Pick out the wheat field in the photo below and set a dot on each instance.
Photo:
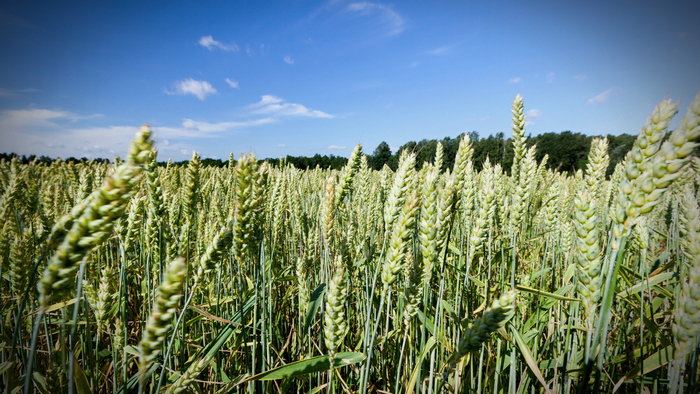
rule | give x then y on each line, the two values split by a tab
134	277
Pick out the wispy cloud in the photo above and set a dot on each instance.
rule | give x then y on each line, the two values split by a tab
11	93
288	60
210	43
533	113
275	106
394	21
413	64
201	89
281	145
37	118
443	50
550	77
336	147
603	97
580	77
198	129
233	84
514	80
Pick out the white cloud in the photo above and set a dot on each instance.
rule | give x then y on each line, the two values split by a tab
439	51
233	84
58	133
550	77
393	149
336	147
533	113
190	86
485	118
275	106
414	64
34	117
288	60
514	80
38	131
247	50
281	145
210	43
393	20
603	97
580	77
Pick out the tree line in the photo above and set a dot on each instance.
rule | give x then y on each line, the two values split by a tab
567	151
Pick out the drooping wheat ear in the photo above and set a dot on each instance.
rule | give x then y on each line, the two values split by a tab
328	213
589	280
636	193
483	327
399	239
210	259
159	323
518	137
427	227
675	153
95	223
399	190
539	184
183	381
334	316
348	174
612	189
246	207
487	209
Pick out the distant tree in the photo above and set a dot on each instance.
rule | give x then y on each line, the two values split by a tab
381	156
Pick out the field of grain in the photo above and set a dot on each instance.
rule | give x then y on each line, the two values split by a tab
134	277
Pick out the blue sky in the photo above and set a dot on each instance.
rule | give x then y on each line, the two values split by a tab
302	77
